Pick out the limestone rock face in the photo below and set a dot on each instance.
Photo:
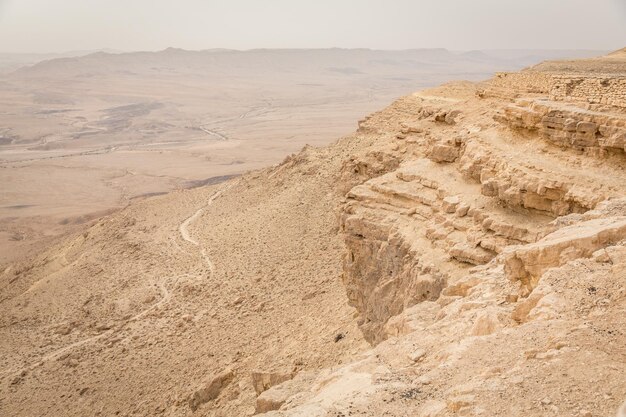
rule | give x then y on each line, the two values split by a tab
490	254
527	263
479	231
569	126
460	194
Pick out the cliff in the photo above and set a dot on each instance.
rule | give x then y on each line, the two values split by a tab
474	235
485	230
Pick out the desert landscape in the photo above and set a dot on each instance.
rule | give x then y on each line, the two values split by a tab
461	253
84	134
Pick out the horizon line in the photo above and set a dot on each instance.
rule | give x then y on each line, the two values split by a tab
114	51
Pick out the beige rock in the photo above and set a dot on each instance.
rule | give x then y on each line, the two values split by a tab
452	116
270	400
523	308
486	323
472	255
262	381
417	355
462	210
444	153
210	388
527	263
64	329
450	204
432	408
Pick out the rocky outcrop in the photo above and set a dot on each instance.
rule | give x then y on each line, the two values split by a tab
485	259
457	195
488	255
527	263
569	125
485	240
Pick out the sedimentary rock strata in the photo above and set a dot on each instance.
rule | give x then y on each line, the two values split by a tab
490	253
475	234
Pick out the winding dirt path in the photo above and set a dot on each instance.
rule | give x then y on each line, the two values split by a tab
184	227
166	294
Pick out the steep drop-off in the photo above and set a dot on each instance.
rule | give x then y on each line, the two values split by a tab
473	234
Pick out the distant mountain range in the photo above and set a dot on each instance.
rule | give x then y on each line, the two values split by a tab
11	61
348	62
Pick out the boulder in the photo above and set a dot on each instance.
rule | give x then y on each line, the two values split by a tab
450	204
444	153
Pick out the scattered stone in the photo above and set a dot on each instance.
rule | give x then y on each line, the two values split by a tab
601	256
462	210
511	298
18	378
450	204
424	380
269	401
451	117
440	117
517	380
104	327
64	329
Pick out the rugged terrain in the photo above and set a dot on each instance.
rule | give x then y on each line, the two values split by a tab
81	136
462	253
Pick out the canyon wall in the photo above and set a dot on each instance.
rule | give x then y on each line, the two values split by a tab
485	231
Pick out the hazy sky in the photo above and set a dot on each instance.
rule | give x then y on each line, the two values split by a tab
63	25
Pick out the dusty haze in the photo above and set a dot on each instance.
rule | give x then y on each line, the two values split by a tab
461	253
344	208
45	26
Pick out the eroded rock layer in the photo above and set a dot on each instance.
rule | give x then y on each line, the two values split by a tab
485	230
478	231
